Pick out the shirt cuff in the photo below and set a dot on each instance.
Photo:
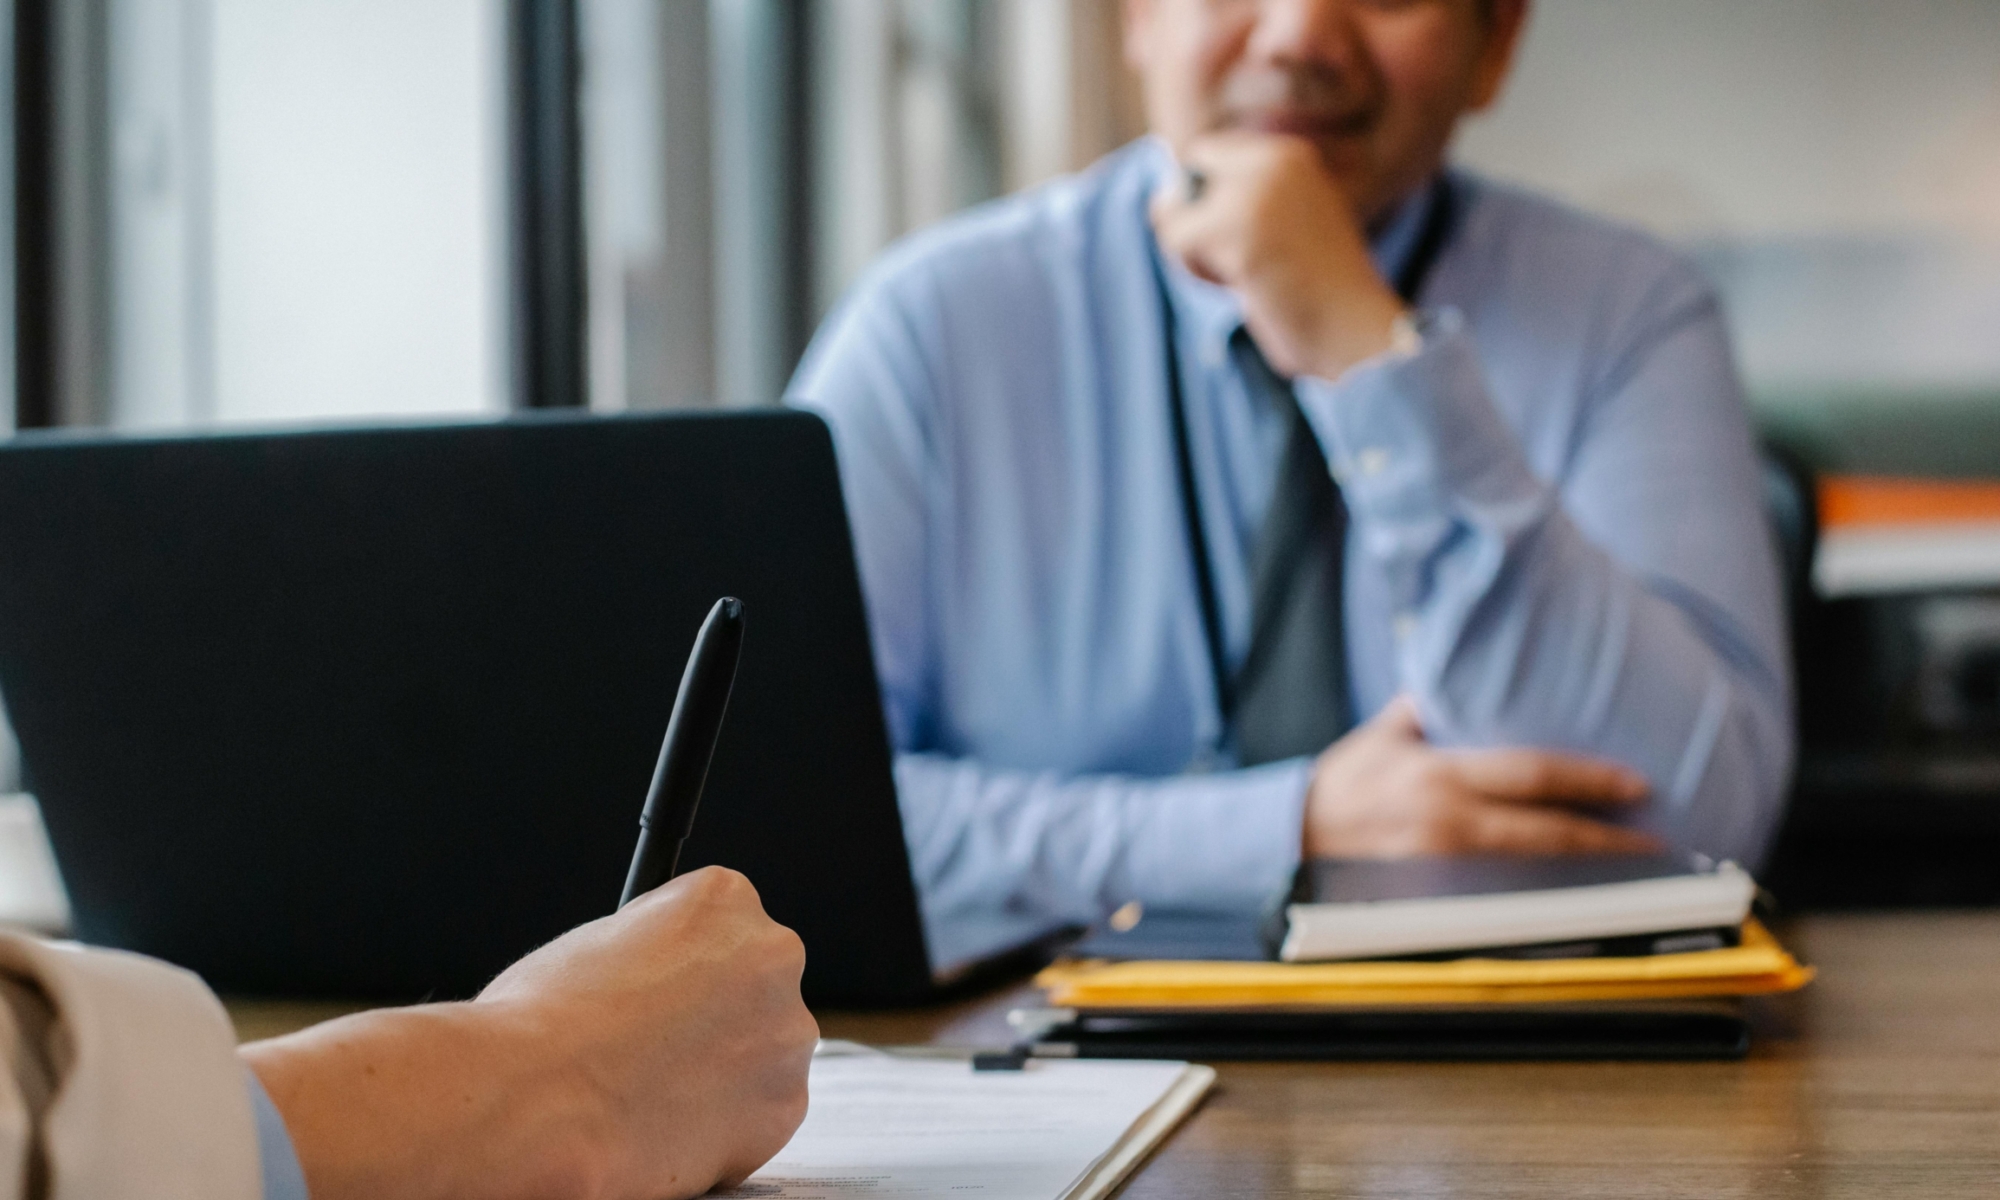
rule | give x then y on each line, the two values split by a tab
284	1179
1226	842
1414	438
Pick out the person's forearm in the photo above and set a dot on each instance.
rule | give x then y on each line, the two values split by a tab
432	1101
1616	671
1073	848
1520	630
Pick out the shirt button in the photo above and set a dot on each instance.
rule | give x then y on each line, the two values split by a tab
1371	461
1214	351
1405	624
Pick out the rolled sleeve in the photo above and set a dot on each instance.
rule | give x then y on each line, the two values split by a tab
1513	626
1414	438
149	1097
1424	459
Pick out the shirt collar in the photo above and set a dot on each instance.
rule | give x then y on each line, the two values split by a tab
1213	312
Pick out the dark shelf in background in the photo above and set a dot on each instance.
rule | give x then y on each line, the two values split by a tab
1890	829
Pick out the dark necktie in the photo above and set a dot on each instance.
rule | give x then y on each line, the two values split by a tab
1290	697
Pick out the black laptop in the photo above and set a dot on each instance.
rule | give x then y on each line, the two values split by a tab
371	712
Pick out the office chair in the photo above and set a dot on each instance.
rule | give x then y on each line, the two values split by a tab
1791	504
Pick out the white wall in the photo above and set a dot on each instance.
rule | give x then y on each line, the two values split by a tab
1760	118
359	238
1836	161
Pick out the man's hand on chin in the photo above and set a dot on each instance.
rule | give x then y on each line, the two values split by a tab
1268	221
1383	792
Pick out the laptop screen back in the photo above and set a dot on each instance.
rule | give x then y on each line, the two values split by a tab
373	712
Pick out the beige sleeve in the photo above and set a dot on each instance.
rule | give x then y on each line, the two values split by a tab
121	1081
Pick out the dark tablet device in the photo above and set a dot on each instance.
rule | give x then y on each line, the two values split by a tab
371	712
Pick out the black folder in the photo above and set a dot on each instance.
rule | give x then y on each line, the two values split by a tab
1648	1030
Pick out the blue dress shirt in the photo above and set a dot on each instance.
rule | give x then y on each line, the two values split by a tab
1556	540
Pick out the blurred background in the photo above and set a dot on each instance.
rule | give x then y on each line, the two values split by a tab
250	210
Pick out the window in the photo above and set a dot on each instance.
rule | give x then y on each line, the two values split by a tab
276	209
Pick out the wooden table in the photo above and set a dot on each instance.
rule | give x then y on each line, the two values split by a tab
1881	1080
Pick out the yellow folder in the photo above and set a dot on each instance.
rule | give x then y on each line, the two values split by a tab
1758	966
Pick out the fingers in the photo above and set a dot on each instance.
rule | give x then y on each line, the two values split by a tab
1398	717
1205	231
1524	776
1187	232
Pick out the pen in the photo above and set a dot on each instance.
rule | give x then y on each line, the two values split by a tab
692	731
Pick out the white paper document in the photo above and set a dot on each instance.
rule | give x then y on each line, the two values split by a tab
880	1125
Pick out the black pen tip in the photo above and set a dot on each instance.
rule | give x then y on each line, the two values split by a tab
731	607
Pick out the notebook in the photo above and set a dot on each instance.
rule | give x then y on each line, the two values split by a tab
1537	907
884	1124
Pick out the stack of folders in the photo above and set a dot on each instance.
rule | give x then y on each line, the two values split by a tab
1438	958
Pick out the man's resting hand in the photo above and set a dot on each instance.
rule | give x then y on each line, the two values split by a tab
653	1053
1383	792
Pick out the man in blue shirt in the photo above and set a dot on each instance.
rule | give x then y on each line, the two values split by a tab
1075	427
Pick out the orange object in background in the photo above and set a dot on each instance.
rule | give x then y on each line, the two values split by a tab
1846	501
